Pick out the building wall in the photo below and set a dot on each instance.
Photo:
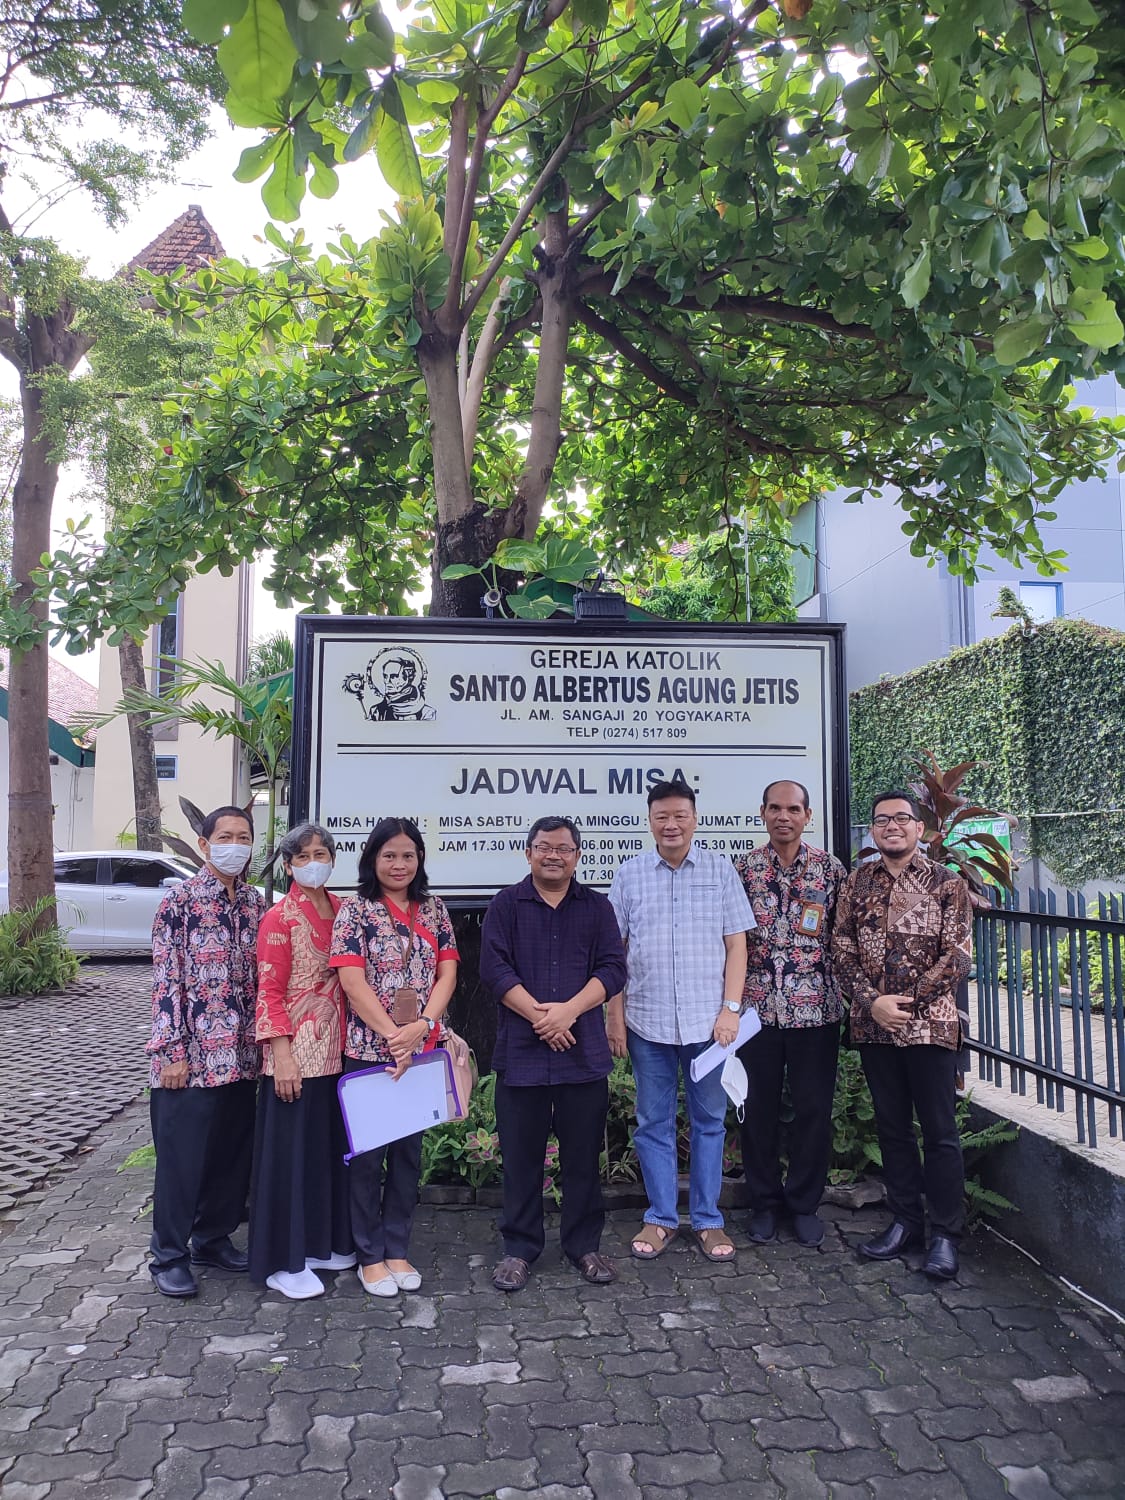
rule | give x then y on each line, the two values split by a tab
901	612
72	793
214	626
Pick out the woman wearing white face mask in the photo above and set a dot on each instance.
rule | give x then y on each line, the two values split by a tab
299	1221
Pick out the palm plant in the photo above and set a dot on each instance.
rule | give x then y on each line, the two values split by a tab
259	717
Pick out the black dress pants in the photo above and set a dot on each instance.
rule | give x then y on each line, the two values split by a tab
808	1054
525	1117
905	1081
383	1194
204	1141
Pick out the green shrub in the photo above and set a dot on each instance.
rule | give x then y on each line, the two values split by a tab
33	955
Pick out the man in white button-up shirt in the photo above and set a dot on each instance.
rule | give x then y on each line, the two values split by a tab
684	917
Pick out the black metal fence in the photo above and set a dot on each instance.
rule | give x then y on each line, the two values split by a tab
1050	1005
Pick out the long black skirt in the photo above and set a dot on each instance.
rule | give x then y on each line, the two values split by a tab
299	1186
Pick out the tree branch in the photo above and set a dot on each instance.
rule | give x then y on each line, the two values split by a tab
478	371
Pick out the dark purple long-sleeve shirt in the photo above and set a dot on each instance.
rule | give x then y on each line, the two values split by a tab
553	951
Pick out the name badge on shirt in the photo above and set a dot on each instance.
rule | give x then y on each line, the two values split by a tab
811	920
407	1005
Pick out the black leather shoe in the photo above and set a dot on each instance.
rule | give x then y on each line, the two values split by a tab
174	1281
763	1226
222	1256
942	1262
896	1240
809	1230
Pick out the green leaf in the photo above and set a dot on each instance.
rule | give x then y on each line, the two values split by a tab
519	556
1095	248
531	609
872	160
258	55
255	159
1035	226
916	282
251	114
323	182
207	20
1096	322
683	101
459	570
1019	339
394	147
284	189
568	561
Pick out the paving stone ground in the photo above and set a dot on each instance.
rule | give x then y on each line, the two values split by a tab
69	1063
797	1374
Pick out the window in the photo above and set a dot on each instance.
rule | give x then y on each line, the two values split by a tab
168	641
1044	600
144	872
76	870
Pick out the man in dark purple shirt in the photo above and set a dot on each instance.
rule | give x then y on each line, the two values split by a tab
551	954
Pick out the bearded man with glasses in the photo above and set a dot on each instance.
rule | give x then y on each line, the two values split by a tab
551	954
901	945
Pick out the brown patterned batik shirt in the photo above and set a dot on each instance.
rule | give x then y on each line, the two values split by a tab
906	935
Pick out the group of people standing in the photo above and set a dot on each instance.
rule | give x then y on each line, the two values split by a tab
659	970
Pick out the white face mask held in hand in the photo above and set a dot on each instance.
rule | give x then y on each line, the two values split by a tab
313	875
229	859
736	1085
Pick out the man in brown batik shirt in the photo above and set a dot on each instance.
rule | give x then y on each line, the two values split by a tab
901	945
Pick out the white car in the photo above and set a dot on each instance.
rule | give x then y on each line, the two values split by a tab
107	898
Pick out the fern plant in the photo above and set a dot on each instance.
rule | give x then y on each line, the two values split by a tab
33	952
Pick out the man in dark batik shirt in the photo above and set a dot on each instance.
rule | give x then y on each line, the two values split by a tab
551	954
792	888
203	1057
901	945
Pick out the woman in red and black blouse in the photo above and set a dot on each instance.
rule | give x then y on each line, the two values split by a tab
394	948
299	1194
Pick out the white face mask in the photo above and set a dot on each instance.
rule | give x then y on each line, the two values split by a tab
229	859
736	1084
313	875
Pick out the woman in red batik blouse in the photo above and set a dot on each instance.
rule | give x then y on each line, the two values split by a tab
394	948
299	1194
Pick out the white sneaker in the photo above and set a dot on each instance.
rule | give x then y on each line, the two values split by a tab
335	1262
296	1284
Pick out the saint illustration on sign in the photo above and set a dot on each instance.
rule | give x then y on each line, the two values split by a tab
394	686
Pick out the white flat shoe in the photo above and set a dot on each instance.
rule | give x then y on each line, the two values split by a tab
297	1285
407	1281
335	1262
386	1286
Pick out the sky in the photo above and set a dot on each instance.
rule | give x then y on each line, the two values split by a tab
237	215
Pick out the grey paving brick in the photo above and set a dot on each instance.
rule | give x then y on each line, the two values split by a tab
246	1463
610	1476
417	1483
483	1478
679	1471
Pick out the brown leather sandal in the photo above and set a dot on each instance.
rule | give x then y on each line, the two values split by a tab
711	1241
655	1238
510	1274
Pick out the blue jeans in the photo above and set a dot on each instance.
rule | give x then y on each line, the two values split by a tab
656	1068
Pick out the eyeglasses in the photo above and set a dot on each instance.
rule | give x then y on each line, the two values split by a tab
566	850
881	820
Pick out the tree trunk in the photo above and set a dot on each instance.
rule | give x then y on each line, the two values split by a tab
142	750
31	870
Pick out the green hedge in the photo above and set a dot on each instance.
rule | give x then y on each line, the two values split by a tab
1043	710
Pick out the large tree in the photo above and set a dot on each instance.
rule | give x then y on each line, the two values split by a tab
689	256
100	99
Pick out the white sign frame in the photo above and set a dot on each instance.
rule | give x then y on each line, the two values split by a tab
476	727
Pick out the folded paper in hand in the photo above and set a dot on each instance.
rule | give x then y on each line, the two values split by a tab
378	1109
715	1056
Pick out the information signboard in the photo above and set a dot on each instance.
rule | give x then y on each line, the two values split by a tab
475	728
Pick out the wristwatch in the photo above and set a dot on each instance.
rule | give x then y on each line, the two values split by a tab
431	1024
733	1006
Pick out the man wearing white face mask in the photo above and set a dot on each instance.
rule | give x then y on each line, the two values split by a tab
204	1057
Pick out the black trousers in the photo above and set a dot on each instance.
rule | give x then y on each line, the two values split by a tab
525	1118
808	1054
383	1194
204	1141
905	1081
